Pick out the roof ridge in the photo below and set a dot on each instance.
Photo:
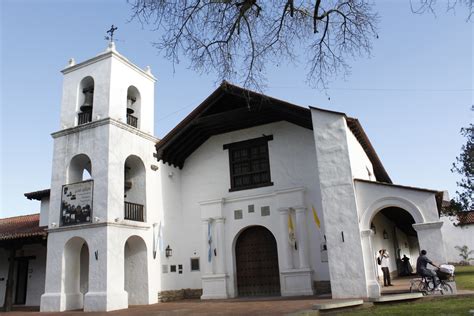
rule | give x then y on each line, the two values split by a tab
18	217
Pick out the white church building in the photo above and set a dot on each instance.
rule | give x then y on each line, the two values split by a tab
247	196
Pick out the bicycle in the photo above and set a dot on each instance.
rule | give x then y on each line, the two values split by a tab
425	285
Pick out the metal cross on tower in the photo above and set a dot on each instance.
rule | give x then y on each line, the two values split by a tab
111	32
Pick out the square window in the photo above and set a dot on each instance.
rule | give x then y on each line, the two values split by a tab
265	210
238	214
251	208
164	268
172	268
194	264
249	164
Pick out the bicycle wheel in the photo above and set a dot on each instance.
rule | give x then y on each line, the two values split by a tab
423	288
416	286
446	289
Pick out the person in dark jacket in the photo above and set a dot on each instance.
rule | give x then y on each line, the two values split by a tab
422	269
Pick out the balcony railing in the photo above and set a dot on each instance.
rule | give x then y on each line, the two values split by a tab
134	212
84	117
132	120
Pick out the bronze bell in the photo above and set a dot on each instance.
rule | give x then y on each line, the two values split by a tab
130	102
88	100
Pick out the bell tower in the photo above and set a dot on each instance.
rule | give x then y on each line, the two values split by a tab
102	184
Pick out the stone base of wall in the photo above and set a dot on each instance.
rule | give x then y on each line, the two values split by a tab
176	295
322	287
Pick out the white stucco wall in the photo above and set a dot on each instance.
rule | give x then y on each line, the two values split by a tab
44	211
206	177
339	205
456	236
360	162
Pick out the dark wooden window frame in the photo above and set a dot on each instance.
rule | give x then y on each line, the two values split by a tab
247	144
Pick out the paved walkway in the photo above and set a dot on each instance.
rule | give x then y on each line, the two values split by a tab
262	306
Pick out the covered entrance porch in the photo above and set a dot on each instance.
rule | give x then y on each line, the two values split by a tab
403	220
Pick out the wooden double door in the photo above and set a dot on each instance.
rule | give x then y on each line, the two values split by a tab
257	263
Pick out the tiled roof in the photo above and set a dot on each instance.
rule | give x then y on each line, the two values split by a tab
466	218
21	227
38	195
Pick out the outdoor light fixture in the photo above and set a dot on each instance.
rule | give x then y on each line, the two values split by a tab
372	226
385	235
168	252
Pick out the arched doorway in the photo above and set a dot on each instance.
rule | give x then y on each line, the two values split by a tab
394	232
257	263
76	273
136	271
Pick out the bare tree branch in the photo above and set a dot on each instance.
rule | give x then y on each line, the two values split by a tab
236	39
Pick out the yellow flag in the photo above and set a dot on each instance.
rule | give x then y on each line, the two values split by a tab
316	218
291	233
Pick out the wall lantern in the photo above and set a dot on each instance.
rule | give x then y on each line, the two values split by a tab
168	252
372	227
385	235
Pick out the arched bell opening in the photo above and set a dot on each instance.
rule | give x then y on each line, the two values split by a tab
134	189
76	195
85	100
80	169
133	107
75	271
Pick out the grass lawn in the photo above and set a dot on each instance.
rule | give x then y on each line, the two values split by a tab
438	306
464	277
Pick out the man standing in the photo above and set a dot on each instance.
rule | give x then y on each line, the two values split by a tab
422	270
384	263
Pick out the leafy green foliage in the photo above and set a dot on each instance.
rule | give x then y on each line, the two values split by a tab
464	199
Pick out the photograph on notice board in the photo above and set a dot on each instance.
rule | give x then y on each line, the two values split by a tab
76	203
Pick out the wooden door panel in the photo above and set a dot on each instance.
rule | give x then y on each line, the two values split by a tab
257	263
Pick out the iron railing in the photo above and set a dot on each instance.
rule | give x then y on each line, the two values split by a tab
134	212
132	120
84	117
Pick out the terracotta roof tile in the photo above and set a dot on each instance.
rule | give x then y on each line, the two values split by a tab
466	218
21	227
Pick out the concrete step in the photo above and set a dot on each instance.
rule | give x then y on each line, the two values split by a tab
396	297
334	304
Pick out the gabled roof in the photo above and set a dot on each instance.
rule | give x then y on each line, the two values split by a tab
231	108
21	227
38	195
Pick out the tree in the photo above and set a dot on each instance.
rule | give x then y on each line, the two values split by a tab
236	39
422	6
464	199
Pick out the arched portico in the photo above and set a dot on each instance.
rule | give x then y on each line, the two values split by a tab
75	273
136	271
387	202
375	198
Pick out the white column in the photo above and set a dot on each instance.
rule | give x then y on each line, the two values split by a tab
302	237
430	239
207	266
220	269
287	260
373	287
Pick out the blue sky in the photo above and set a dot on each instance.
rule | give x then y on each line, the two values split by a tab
412	95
